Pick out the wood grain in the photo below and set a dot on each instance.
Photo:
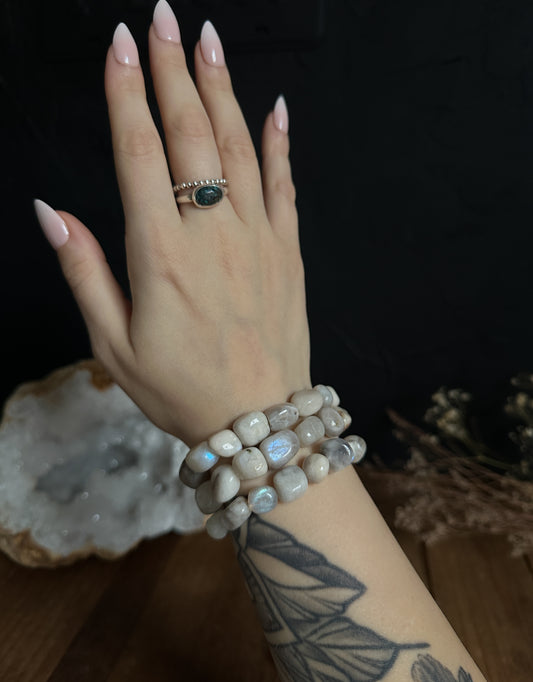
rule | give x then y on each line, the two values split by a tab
176	608
41	610
488	598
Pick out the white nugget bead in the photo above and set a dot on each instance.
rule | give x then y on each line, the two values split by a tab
308	401
346	417
201	457
263	499
225	483
290	483
251	428
236	513
225	443
205	499
316	467
282	416
358	446
279	448
332	420
191	478
216	525
249	463
338	452
310	430
326	394
335	396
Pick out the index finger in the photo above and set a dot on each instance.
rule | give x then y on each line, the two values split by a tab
141	167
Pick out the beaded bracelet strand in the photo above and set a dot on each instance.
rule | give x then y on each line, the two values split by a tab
289	484
272	430
279	432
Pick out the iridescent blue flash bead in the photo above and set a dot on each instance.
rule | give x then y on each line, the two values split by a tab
201	457
279	448
262	500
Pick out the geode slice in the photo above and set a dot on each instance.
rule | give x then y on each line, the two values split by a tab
83	471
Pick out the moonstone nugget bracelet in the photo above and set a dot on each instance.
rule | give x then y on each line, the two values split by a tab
278	432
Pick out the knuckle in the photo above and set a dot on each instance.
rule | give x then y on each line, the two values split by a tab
173	60
238	146
139	142
218	80
286	188
78	272
191	122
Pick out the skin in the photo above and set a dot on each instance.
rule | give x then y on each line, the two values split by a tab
224	289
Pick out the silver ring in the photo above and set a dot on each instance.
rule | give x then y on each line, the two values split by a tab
201	193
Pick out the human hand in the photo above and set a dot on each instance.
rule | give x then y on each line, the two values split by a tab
217	325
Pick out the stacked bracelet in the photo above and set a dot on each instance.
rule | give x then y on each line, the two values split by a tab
278	432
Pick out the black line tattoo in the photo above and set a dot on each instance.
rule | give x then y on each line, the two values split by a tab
428	669
310	638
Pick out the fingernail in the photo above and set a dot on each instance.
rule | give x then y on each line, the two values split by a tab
165	22
281	115
124	47
51	223
211	46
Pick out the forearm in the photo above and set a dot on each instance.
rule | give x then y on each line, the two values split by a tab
335	592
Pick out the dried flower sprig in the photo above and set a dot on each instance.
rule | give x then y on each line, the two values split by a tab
455	481
450	493
450	416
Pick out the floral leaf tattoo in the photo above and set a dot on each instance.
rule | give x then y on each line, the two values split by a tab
310	638
428	669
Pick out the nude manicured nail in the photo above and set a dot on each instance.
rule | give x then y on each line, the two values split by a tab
165	22
211	46
51	223
124	47
281	115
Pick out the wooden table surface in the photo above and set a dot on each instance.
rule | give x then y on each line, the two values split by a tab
177	609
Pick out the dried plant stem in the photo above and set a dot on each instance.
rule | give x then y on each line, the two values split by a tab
448	492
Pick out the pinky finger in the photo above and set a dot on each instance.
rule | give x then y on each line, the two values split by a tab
102	303
278	187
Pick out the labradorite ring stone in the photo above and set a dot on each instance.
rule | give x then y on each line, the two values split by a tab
201	193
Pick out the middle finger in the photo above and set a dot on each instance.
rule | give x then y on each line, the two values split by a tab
190	142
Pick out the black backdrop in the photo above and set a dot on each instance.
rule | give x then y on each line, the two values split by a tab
412	150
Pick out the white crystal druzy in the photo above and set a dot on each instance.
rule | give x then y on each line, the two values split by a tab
83	471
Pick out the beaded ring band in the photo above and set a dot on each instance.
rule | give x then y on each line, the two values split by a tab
202	193
198	183
279	432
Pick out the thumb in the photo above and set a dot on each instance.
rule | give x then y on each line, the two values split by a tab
102	302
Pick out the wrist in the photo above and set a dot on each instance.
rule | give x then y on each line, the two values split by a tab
221	413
